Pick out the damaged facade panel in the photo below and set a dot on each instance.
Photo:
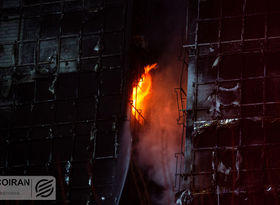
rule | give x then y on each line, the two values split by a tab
233	103
63	93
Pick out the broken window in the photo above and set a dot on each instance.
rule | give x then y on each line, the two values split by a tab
50	26
208	31
254	27
69	48
231	29
28	53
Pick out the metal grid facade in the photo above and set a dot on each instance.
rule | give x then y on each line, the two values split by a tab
232	143
63	75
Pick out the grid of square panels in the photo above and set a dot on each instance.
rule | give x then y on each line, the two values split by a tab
62	66
234	105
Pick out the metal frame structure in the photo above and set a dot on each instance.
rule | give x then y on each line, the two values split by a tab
232	122
63	76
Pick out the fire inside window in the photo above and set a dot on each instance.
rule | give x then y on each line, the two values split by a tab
140	93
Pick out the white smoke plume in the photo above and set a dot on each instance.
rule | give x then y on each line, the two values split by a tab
161	136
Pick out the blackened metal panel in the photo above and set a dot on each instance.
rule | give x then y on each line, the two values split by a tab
63	95
232	120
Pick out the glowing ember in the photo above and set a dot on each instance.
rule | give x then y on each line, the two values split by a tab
140	91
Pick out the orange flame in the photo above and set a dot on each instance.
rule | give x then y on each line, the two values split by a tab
140	91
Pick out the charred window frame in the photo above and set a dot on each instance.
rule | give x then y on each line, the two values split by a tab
57	57
233	105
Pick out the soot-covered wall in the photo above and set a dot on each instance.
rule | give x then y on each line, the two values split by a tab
63	74
232	142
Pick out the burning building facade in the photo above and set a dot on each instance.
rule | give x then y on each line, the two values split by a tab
66	87
232	124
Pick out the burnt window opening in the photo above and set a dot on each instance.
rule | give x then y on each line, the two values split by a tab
57	61
237	131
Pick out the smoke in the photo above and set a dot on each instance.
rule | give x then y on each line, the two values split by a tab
160	138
